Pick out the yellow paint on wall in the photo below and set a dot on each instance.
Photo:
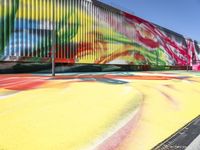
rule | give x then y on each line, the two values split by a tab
6	8
39	9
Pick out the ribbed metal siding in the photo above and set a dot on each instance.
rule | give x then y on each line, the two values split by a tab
24	31
27	26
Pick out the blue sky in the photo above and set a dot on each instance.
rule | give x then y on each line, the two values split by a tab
181	16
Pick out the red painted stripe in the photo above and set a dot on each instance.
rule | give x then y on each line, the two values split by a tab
70	61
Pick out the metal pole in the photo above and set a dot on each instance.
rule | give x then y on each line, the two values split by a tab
53	51
188	63
188	59
53	42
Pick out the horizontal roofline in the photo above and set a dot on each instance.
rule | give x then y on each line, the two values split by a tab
117	10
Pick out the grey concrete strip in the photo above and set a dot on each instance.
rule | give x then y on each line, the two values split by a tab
195	145
183	137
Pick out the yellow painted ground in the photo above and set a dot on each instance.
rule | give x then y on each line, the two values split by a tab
161	117
70	115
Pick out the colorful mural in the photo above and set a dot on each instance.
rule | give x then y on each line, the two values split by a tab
194	54
85	32
105	111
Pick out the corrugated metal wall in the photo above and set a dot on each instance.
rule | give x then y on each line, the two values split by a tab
86	31
26	28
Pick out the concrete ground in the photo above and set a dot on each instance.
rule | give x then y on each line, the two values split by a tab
103	111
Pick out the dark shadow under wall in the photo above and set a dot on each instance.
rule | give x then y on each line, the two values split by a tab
12	67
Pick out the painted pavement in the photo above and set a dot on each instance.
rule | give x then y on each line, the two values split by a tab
102	111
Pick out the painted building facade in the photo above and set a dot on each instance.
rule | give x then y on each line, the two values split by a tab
86	32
